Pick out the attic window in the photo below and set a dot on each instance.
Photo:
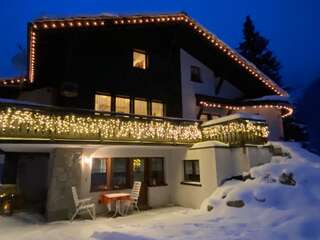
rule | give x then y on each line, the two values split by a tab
140	59
195	74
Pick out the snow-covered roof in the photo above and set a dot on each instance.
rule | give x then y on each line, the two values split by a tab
275	98
231	117
181	18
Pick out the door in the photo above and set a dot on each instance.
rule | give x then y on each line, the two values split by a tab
139	174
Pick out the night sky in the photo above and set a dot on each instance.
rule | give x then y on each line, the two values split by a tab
292	26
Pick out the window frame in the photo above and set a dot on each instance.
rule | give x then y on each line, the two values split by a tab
107	177
188	181
151	107
129	176
198	79
162	182
146	59
102	94
134	106
123	97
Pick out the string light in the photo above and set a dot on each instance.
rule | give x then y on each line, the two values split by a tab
15	122
168	18
237	132
285	108
13	81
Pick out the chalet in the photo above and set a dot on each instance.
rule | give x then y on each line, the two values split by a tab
113	99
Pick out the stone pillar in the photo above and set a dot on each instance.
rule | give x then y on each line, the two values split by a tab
64	172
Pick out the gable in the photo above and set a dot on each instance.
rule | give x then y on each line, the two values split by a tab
191	36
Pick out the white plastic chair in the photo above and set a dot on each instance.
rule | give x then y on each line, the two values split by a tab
134	197
83	205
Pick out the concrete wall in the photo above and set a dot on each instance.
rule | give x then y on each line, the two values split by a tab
216	163
206	87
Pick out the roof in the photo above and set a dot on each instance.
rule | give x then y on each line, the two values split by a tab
179	18
281	103
12	81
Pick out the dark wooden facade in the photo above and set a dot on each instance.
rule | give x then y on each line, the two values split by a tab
99	60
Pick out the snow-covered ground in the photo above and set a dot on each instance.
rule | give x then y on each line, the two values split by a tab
271	211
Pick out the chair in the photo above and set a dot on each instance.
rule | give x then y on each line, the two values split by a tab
134	197
82	205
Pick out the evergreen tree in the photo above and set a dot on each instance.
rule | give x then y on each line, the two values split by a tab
255	48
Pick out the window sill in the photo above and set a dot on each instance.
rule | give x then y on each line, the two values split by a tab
196	184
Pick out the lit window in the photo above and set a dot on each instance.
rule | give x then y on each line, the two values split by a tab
99	174
140	107
157	109
102	103
140	59
191	171
156	172
120	173
195	74
122	105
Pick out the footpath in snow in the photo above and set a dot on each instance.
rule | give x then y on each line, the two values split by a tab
271	210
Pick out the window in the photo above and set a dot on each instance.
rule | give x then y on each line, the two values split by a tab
191	171
120	173
156	172
140	59
140	107
195	74
157	109
102	103
122	105
99	174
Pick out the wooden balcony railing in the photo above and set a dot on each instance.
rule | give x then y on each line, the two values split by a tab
22	122
19	122
236	130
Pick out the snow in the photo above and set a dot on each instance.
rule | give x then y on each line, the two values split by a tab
272	98
272	211
231	117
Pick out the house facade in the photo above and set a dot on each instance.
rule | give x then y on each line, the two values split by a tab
109	100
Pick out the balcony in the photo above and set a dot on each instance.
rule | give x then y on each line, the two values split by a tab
21	122
43	123
236	130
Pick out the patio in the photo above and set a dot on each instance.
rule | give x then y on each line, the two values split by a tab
23	225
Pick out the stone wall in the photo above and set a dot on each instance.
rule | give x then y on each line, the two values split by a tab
64	172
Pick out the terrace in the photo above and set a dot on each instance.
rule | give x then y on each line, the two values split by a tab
23	122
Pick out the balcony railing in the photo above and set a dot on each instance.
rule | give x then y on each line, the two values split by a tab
21	122
18	122
236	130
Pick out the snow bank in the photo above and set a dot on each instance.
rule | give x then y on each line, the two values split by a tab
283	211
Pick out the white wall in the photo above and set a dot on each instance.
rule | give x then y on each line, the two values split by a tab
206	87
216	163
157	195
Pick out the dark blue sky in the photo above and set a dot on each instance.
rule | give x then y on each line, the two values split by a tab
291	25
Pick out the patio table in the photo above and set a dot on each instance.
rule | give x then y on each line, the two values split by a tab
108	198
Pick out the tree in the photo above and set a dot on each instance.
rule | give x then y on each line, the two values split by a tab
255	48
19	60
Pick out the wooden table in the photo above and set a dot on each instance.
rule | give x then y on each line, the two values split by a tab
108	198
